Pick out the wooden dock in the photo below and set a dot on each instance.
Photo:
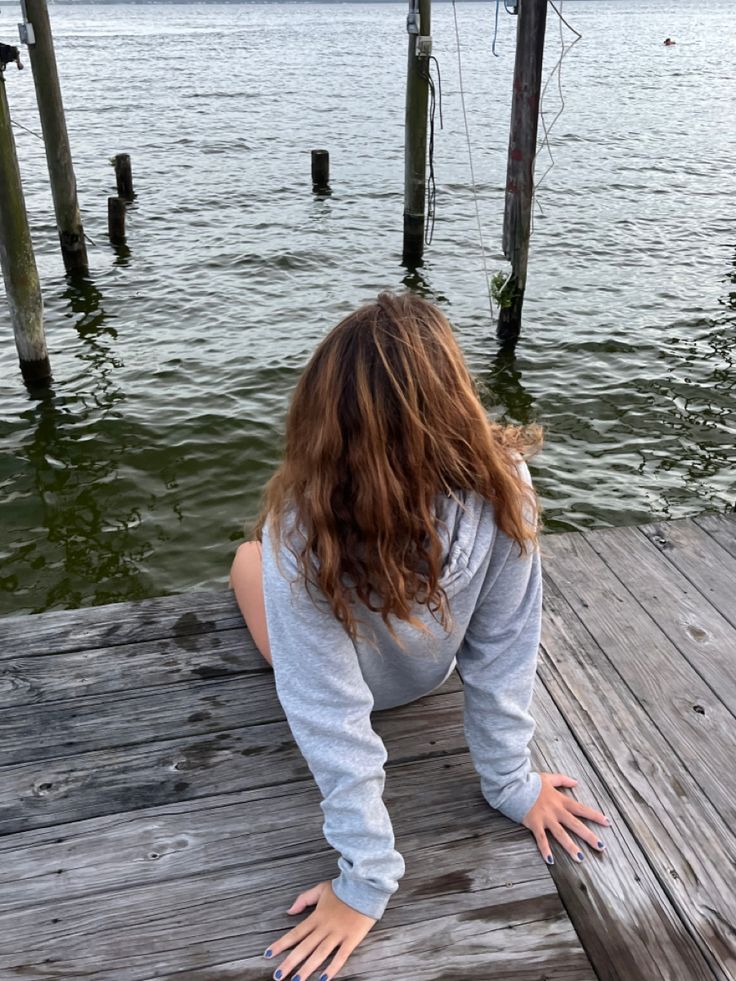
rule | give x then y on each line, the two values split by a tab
157	819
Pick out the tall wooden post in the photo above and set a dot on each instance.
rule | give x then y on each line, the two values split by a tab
18	261
415	132
56	138
522	150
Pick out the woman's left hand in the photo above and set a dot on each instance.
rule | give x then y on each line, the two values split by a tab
333	924
558	813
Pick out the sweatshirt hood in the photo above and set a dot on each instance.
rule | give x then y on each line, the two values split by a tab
467	529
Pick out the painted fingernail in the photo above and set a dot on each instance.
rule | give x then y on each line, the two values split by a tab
550	860
268	953
296	978
323	978
580	856
278	974
601	844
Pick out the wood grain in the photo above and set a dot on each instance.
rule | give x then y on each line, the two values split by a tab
700	633
690	849
159	820
97	671
112	624
721	527
475	888
93	783
661	683
613	898
701	559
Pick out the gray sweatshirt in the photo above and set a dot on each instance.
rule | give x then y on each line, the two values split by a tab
328	686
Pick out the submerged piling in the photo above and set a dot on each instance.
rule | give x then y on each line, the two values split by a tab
321	172
116	220
124	176
18	261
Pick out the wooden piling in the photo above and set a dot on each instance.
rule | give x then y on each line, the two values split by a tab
520	170
56	138
18	261
321	172
415	131
124	176
116	220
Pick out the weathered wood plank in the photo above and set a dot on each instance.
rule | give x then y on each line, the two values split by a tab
613	898
444	950
689	714
120	623
127	667
179	840
183	853
488	889
690	849
78	725
721	527
160	933
91	784
699	632
700	558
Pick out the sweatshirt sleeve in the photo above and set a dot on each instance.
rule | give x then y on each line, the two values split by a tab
328	705
497	662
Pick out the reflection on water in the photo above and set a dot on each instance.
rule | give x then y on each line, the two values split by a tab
730	298
81	549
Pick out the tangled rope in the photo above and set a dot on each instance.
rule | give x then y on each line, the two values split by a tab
470	159
556	72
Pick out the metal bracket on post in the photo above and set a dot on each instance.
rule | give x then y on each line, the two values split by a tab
424	46
412	18
512	6
25	32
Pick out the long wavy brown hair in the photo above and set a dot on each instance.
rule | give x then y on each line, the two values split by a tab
385	417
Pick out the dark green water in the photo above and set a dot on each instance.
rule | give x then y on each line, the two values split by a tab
133	476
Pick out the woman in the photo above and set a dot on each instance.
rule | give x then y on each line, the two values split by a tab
397	541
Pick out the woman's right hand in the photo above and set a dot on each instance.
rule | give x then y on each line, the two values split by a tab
557	813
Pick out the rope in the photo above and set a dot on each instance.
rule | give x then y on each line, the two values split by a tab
431	184
559	14
557	70
470	159
21	126
495	31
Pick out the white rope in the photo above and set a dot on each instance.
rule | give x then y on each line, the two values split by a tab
559	14
21	126
470	160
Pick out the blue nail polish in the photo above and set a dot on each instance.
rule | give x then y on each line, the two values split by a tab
277	975
580	856
296	978
550	860
268	953
600	844
323	978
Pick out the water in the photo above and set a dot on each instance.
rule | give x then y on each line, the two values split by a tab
134	476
